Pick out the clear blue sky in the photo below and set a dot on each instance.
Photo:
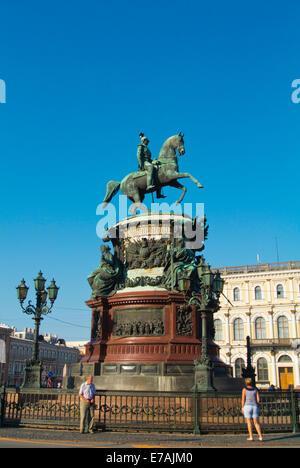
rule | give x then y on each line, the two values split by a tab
85	77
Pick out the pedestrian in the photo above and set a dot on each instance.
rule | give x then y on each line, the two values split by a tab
87	405
250	408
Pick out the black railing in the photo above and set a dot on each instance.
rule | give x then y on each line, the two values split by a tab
156	411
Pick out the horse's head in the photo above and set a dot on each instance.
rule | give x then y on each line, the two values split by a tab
168	150
180	143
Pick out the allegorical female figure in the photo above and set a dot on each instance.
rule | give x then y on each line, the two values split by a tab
180	263
107	276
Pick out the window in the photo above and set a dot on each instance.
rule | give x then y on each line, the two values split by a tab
262	370
283	327
239	366
260	328
257	293
238	329
218	330
279	291
236	294
285	358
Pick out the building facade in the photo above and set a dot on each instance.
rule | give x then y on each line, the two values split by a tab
80	345
263	302
53	353
5	333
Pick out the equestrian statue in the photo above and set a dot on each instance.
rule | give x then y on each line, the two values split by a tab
153	174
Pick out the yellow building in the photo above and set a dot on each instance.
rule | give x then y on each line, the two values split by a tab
263	302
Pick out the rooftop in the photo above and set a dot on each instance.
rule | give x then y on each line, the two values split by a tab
259	267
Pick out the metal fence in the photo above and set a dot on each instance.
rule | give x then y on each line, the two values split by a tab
144	411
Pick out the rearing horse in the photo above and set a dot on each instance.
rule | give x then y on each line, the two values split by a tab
134	185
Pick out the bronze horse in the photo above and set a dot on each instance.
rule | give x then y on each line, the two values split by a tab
134	185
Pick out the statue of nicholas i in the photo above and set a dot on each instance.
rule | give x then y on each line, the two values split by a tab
146	164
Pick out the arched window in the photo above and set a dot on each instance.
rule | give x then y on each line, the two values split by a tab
282	327
239	365
262	370
236	294
238	329
218	330
257	292
279	291
260	328
285	358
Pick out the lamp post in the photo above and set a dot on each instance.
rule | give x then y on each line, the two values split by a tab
203	370
249	371
33	367
211	288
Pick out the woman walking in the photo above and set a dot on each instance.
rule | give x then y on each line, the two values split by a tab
250	408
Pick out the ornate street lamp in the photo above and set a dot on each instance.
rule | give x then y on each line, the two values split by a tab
22	291
203	369
33	368
249	371
211	286
52	292
218	283
207	276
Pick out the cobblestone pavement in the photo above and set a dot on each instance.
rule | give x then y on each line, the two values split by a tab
34	437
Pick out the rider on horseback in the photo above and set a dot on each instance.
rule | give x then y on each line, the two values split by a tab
148	179
146	164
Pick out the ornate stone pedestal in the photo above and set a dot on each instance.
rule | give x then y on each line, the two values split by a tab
145	335
147	338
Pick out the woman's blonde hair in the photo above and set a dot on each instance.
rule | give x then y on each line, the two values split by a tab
248	381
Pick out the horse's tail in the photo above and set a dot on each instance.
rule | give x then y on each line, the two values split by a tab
111	190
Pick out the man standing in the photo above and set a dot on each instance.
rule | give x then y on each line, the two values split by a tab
87	394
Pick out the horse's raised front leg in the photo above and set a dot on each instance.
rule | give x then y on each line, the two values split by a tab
186	175
177	184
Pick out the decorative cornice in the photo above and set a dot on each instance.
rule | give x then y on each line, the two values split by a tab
139	301
146	297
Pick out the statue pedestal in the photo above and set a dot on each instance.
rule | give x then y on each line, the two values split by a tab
154	349
144	334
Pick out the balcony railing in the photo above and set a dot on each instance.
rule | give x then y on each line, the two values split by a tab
260	267
271	342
